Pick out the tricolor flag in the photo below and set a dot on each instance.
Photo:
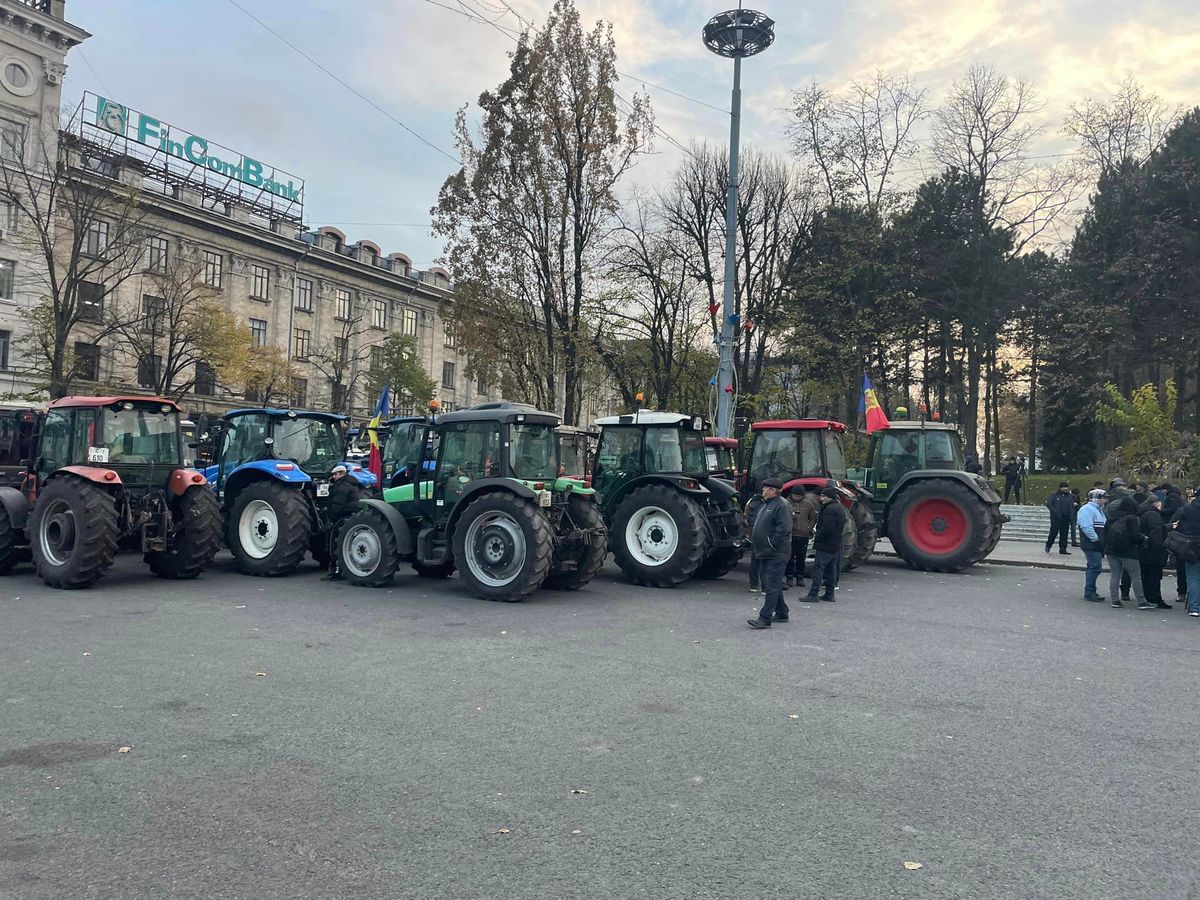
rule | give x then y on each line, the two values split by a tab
877	419
375	459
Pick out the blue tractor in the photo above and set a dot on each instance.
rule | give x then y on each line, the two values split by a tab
272	479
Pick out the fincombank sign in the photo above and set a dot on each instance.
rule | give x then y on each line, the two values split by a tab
176	156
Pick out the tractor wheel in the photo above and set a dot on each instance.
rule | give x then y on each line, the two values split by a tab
866	533
503	546
366	547
269	528
997	529
939	525
719	563
9	537
660	536
74	531
196	541
441	570
584	514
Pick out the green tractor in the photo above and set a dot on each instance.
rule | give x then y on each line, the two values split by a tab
488	502
938	516
670	518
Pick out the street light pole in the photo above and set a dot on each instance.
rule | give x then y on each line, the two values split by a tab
734	34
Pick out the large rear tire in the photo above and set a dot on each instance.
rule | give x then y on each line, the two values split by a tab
366	547
659	536
719	563
503	546
582	513
74	530
866	533
269	529
196	540
9	550
940	525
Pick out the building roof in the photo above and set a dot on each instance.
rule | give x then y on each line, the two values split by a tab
73	402
799	425
647	417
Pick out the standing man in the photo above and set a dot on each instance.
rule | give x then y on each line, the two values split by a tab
972	465
772	541
1011	473
1187	523
1062	509
753	507
1153	555
1091	539
1122	543
827	546
804	517
343	503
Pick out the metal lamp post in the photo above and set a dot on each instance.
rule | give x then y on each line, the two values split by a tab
735	33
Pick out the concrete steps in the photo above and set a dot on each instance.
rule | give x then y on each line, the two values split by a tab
1029	523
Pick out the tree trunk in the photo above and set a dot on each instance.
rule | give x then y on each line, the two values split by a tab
1034	349
971	411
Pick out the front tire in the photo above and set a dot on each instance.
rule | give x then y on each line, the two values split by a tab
74	529
584	515
939	525
195	542
366	548
503	547
866	533
660	537
269	529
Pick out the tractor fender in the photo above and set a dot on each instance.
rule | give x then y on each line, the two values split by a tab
210	473
182	479
16	507
403	534
984	491
92	473
484	486
360	473
679	482
722	489
259	469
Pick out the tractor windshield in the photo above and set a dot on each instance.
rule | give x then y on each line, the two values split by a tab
835	456
314	445
942	450
675	450
531	453
403	446
138	436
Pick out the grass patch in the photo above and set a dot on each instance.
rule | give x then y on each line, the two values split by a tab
1038	487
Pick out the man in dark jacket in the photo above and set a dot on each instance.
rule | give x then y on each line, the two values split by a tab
1122	543
753	506
1062	510
827	545
805	509
1173	501
771	539
1012	478
1187	522
344	495
1153	555
972	464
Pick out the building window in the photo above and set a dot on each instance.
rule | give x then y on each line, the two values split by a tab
339	395
451	338
87	361
206	380
8	271
299	392
379	314
149	365
341	346
345	307
91	302
12	140
304	294
258	332
301	340
377	361
481	388
251	393
153	311
448	375
158	255
95	241
213	264
447	407
8	214
410	322
260	282
5	349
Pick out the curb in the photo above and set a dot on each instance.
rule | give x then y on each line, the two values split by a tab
1020	563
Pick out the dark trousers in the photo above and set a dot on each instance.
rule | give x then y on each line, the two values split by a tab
772	571
1012	486
755	573
1059	529
1074	532
1180	577
796	564
824	571
1152	573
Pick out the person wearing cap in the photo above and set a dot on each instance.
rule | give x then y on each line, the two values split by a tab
1062	508
827	546
1122	544
343	503
772	543
1091	539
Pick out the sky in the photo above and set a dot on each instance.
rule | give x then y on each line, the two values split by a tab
211	69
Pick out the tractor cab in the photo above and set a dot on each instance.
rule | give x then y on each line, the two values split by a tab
576	450
721	454
17	430
909	447
407	438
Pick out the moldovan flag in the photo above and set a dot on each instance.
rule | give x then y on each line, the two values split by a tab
375	459
877	419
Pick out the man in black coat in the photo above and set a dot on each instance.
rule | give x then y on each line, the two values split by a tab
1062	510
827	545
1122	543
1173	501
771	538
1012	478
1153	555
1187	522
344	495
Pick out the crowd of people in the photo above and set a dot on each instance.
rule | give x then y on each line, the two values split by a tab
1140	530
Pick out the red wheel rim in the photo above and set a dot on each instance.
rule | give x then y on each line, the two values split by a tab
936	526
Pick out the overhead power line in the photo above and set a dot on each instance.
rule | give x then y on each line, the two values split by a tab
357	93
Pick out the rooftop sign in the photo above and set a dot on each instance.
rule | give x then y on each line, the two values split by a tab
176	157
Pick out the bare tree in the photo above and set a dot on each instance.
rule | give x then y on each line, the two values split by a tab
342	360
1131	125
87	232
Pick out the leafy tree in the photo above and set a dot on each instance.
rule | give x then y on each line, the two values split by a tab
399	365
1146	418
267	376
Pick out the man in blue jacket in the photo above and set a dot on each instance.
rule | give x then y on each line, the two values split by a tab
1091	539
772	541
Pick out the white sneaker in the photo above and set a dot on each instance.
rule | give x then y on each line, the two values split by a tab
1197	614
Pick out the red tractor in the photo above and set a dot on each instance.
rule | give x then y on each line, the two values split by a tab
104	472
721	454
809	452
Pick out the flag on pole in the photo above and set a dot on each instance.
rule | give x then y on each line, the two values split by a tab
877	419
375	459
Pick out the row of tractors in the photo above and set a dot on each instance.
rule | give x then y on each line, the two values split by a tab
498	493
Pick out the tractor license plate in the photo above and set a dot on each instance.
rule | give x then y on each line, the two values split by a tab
544	498
322	490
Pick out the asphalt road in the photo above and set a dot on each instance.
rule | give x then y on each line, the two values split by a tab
617	742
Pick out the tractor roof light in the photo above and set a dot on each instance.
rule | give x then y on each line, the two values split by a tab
126	405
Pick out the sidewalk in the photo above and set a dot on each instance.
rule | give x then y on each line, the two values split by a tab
1017	553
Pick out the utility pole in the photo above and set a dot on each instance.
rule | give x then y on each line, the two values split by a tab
735	34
